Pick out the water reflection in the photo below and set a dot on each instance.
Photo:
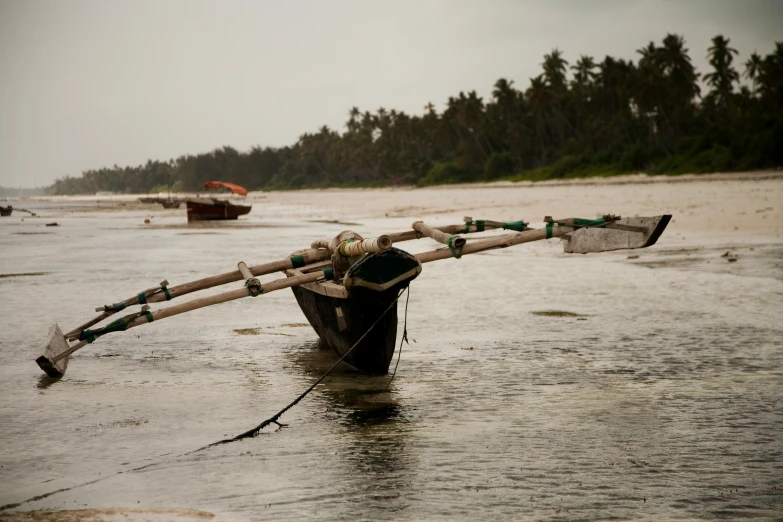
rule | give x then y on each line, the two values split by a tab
374	439
44	381
363	399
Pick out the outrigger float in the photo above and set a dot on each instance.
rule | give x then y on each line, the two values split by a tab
348	286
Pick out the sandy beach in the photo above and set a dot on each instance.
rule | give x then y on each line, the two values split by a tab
537	385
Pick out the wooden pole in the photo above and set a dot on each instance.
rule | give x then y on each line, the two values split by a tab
504	241
465	228
253	285
277	284
457	242
354	248
155	295
244	270
365	246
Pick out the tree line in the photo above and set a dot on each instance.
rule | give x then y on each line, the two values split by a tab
587	118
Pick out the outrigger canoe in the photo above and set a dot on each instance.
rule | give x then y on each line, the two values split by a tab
348	286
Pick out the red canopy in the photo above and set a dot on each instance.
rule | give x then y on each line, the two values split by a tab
236	189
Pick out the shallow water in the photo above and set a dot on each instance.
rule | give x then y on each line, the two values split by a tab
536	385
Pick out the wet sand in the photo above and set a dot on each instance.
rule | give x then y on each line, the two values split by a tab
537	385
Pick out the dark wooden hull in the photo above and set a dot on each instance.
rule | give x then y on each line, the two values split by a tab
342	313
341	322
6	211
215	210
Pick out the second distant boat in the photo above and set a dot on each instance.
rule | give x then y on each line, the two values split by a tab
211	208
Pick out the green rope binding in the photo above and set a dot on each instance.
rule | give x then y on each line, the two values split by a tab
479	225
456	254
342	246
166	292
518	226
142	296
116	307
329	274
254	287
600	222
118	325
297	261
577	223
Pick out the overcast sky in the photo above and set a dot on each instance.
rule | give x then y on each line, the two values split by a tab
87	84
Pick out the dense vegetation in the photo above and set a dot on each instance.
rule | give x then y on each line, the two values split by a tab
21	192
589	118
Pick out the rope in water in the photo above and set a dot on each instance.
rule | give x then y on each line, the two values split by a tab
274	418
246	434
404	338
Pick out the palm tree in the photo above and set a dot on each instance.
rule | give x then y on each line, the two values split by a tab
720	56
583	72
539	100
752	69
353	119
555	67
678	67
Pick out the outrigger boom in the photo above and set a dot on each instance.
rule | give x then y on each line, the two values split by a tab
341	283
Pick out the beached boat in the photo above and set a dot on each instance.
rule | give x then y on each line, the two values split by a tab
207	209
348	287
7	211
211	208
170	203
167	202
343	311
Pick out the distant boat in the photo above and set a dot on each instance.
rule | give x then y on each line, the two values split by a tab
210	208
166	202
6	211
170	203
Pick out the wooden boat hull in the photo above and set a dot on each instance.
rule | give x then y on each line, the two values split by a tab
341	315
341	322
215	209
6	211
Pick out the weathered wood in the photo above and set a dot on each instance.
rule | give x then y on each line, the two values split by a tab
353	248
55	345
369	288
277	284
503	241
148	293
203	209
154	295
636	232
340	323
451	230
252	284
365	246
438	235
327	288
244	270
606	241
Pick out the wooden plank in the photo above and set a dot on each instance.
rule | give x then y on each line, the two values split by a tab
438	235
635	232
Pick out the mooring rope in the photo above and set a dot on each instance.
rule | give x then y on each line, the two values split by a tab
249	433
274	418
404	338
